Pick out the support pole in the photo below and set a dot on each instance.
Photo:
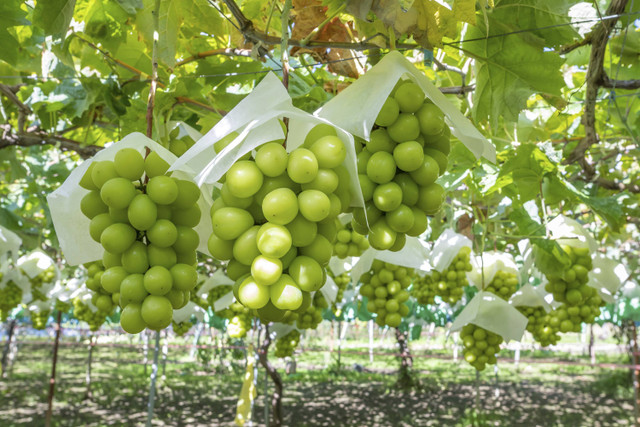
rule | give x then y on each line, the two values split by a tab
88	395
276	397
154	376
371	341
52	380
165	353
636	375
7	347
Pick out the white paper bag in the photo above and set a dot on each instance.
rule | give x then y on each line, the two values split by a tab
413	255
607	276
278	330
493	314
355	109
446	249
9	242
72	227
490	263
329	290
256	119
529	296
568	231
191	309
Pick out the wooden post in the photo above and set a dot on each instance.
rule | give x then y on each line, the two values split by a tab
7	347
88	395
371	341
592	350
339	342
154	376
636	374
405	381
276	397
165	353
52	380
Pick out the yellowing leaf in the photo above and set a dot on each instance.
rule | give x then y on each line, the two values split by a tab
465	10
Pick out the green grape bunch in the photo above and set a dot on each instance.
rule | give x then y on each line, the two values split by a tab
568	318
43	278
385	286
448	284
312	317
424	289
62	306
239	319
94	318
275	220
39	319
144	219
571	287
539	325
480	346
503	285
216	293
101	298
342	282
286	345
10	297
181	328
397	168
349	242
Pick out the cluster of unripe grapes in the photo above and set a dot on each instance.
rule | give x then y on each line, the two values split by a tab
312	316
83	312
448	284
342	281
197	299
181	328
179	146
239	319
569	318
275	221
504	284
144	220
539	325
398	167
45	276
104	300
385	286
10	297
571	286
62	306
480	346
39	319
349	242
216	293
286	345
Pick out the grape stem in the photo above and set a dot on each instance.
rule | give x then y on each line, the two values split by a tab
154	72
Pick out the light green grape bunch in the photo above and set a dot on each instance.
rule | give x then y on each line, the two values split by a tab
10	297
179	145
181	328
397	168
568	318
39	319
239	319
342	281
144	220
216	293
424	289
45	276
539	325
349	242
82	312
286	345
503	285
480	346
448	284
385	285
312	317
62	306
196	298
275	221
104	300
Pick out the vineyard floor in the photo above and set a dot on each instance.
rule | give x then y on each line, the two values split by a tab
192	394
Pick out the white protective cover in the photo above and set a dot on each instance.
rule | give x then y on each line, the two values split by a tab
218	278
72	227
33	264
607	276
280	329
493	314
568	231
371	91
446	249
183	314
256	119
9	242
490	262
413	255
530	296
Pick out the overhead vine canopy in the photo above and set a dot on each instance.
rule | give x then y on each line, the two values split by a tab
553	84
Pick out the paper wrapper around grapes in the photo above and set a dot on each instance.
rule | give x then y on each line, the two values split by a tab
355	109
218	278
490	263
329	290
40	306
33	264
280	329
9	242
446	249
413	255
185	313
256	119
72	227
493	314
607	276
568	231
65	291
529	296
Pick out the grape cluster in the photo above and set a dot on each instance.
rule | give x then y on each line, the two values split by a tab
312	316
503	285
62	306
568	318
144	220
385	285
424	289
398	167
539	325
571	287
480	346
44	277
101	298
275	221
448	284
181	328
196	298
342	281
216	293
179	145
239	319
349	242
10	297
39	319
85	313
286	345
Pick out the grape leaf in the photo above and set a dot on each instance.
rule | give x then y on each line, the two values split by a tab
10	16
53	16
131	6
509	70
465	11
170	19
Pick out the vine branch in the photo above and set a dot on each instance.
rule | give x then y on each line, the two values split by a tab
40	138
